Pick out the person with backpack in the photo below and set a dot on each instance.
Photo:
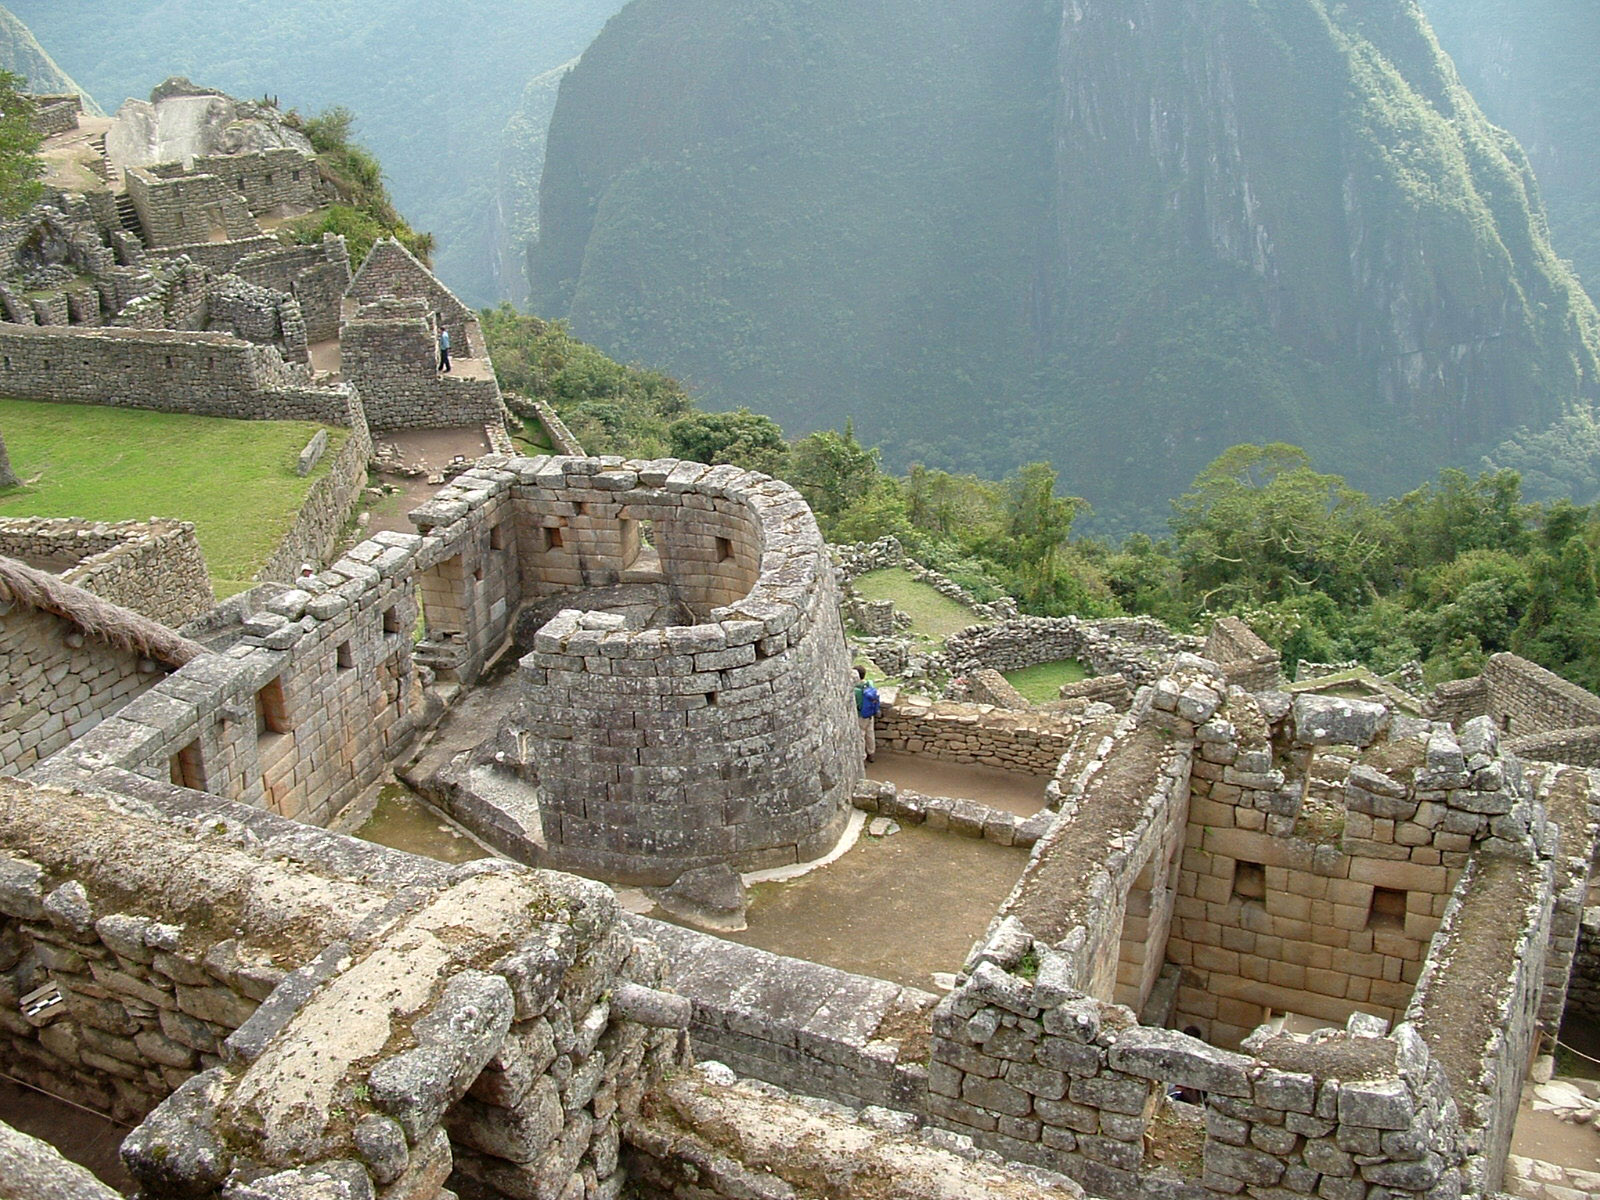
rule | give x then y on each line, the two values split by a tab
866	699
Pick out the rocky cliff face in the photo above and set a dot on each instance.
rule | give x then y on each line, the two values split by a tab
1531	65
21	54
1187	224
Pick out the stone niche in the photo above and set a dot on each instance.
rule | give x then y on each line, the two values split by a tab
710	726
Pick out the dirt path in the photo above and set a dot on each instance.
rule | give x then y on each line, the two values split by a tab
901	908
1011	791
431	450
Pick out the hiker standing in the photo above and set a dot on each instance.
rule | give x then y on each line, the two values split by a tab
866	701
444	349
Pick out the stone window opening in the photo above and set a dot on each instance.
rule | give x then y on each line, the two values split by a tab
186	768
552	538
711	698
1249	881
1388	909
477	574
724	549
294	176
391	621
272	713
344	657
497	537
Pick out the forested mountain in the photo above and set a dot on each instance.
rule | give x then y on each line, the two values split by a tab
21	54
1532	65
1120	234
432	87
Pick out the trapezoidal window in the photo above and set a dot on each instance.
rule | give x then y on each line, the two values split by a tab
1249	881
1388	909
552	538
186	768
391	620
497	537
344	657
724	549
272	713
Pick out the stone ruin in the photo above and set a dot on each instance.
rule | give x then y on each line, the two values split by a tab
706	726
1366	916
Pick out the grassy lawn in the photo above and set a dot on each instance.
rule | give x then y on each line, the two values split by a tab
234	479
1040	683
932	615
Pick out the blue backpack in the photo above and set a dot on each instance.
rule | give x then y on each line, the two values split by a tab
866	701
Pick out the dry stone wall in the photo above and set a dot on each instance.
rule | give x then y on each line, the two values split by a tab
650	752
497	1027
320	523
153	567
1030	742
56	684
1527	699
208	374
1034	1057
393	272
1245	659
280	178
1136	647
175	208
300	716
389	351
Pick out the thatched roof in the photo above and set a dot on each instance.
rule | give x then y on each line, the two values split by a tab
121	627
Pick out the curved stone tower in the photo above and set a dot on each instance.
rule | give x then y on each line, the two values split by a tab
650	751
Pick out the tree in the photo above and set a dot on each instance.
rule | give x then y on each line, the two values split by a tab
20	167
742	437
1259	524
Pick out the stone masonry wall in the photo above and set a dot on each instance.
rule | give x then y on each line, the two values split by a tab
316	276
187	208
281	177
659	750
300	717
208	374
1527	699
1580	746
155	567
496	1027
389	352
392	272
1583	996
56	684
1031	1060
1245	659
1030	742
320	523
1137	647
1321	899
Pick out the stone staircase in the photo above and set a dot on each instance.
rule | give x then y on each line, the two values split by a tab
127	215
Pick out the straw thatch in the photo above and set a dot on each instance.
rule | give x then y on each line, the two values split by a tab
121	627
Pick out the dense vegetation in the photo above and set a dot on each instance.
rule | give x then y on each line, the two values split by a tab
433	87
966	232
1531	65
20	167
1446	574
365	213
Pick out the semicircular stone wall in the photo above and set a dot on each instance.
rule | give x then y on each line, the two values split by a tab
653	751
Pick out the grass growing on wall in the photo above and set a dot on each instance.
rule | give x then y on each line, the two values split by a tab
234	479
1040	683
932	615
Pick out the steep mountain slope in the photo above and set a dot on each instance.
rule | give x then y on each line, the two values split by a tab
432	87
21	54
1121	234
1531	65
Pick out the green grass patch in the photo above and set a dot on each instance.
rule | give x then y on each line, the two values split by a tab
932	615
1042	682
234	479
